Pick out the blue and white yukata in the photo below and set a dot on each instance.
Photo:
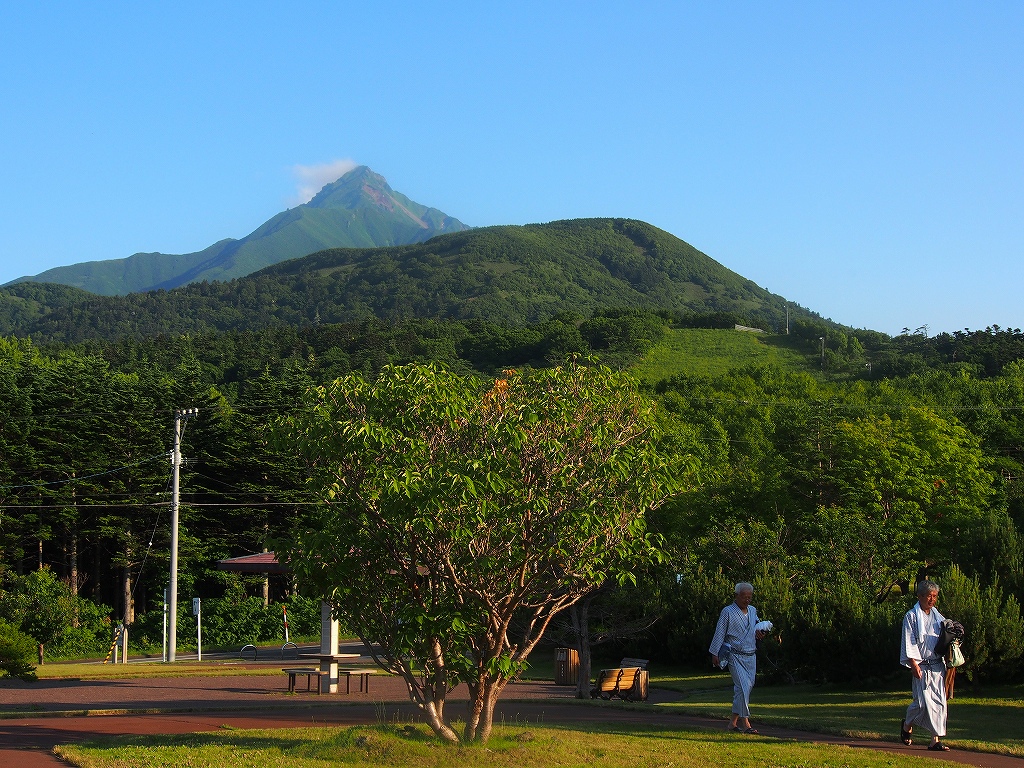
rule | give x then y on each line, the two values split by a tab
920	633
737	629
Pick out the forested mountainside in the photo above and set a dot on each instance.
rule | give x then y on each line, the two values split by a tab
359	210
509	274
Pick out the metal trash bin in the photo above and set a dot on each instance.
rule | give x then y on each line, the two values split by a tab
567	666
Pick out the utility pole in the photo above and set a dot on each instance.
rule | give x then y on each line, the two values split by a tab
180	416
822	339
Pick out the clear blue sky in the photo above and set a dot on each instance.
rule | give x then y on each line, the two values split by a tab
862	159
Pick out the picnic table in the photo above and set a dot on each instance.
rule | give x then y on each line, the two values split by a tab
329	669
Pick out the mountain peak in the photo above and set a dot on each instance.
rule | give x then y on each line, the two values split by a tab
337	193
361	188
359	210
357	188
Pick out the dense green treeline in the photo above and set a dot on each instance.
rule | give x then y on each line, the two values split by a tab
860	353
831	488
834	498
84	468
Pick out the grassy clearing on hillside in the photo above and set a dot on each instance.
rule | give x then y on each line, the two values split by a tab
712	352
989	720
510	747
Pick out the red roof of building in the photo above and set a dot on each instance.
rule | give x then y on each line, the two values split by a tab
263	562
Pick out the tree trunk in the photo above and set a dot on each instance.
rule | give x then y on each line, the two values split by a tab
579	615
126	594
73	565
97	596
73	577
483	696
40	554
435	719
429	696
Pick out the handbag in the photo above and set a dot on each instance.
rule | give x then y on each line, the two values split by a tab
951	632
955	656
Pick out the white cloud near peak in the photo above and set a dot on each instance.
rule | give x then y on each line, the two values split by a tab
310	179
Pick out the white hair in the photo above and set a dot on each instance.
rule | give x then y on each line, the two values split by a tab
744	586
926	586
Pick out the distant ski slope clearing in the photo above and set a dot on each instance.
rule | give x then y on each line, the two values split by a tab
713	352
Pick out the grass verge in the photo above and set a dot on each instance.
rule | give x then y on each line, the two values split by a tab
986	720
87	671
510	747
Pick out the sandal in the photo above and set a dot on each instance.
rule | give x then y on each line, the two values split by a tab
752	731
735	729
938	746
905	734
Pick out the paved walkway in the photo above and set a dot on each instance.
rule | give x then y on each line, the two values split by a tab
44	714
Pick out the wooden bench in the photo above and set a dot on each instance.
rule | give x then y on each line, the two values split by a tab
362	673
309	672
627	682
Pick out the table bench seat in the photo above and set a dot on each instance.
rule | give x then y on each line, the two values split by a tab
309	672
362	673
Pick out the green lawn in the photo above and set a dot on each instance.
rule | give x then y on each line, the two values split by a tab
510	747
86	671
714	352
990	720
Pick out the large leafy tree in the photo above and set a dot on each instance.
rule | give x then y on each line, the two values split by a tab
459	518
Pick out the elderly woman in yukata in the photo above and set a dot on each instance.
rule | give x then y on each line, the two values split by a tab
736	627
922	626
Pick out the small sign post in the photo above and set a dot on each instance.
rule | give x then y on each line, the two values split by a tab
197	611
164	635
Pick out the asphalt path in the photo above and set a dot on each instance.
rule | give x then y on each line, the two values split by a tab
40	716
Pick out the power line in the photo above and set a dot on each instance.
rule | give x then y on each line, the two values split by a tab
84	477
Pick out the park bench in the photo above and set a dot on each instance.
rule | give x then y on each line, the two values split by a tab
628	681
309	672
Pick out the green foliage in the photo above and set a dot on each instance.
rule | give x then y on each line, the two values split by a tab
233	621
44	608
17	652
994	644
834	499
459	518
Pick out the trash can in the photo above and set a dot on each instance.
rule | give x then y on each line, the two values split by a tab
567	666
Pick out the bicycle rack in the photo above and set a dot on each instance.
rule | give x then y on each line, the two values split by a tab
250	647
294	647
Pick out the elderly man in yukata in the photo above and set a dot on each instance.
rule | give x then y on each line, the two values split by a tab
736	628
922	626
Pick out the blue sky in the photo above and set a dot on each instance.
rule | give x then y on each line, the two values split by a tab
861	159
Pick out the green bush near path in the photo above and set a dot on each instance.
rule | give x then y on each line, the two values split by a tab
518	746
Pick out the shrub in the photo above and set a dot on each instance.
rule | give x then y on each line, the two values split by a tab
43	607
17	650
994	642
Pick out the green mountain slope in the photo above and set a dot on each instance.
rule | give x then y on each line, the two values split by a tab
510	275
359	210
